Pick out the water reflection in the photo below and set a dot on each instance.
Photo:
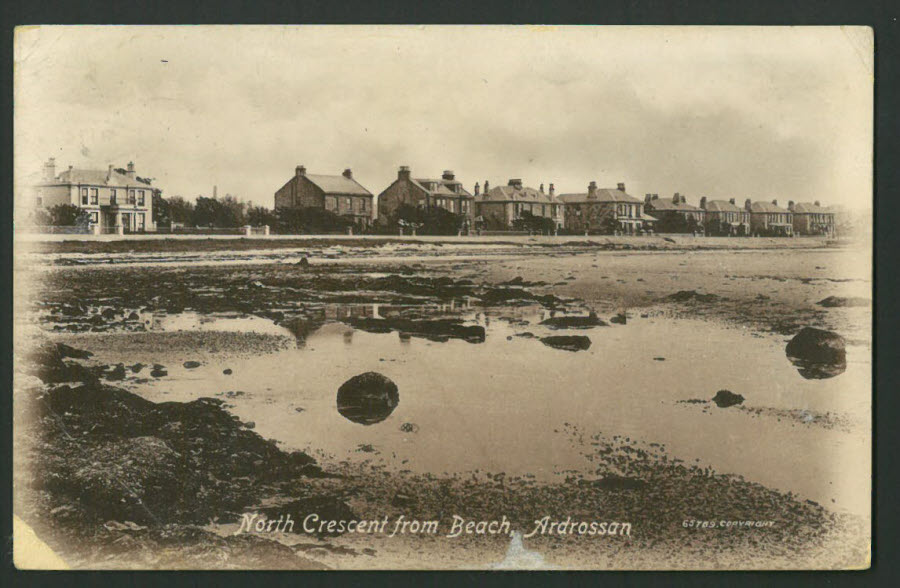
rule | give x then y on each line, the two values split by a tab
818	371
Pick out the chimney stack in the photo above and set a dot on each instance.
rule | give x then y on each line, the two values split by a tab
791	205
552	190
676	198
300	171
592	190
703	203
515	183
542	188
130	172
486	186
448	175
403	172
747	204
731	200
775	202
50	169
817	203
215	192
348	173
621	187
477	188
109	172
648	198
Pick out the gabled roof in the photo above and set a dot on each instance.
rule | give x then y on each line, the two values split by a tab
722	206
337	184
511	194
811	208
442	188
602	195
766	207
668	204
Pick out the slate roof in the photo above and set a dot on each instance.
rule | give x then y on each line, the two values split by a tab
97	177
722	206
811	208
603	195
443	187
510	194
766	207
337	184
668	204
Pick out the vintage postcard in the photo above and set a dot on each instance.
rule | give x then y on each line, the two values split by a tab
443	297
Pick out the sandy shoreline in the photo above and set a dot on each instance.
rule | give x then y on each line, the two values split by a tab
722	287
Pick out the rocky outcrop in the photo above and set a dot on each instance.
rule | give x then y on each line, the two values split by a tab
567	342
368	398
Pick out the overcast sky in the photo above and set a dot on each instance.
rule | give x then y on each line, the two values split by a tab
722	112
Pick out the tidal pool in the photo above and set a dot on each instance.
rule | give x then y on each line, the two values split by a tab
509	404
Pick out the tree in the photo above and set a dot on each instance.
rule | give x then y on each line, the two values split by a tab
531	222
64	215
431	221
309	220
162	214
259	216
210	212
180	210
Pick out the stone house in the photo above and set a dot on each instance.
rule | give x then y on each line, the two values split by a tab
604	210
812	219
498	208
674	215
340	194
116	200
424	193
769	219
725	218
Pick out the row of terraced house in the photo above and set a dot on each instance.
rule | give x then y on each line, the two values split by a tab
119	198
597	210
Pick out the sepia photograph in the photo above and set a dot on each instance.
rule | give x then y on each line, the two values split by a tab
397	297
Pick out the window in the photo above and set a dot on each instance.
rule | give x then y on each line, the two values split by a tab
112	195
349	202
84	196
140	221
93	195
131	197
330	203
362	204
95	216
140	197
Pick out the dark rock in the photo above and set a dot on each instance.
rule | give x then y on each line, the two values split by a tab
117	373
690	295
250	425
191	364
68	351
841	302
435	330
47	363
726	398
817	353
303	262
227	371
409	428
526	335
158	372
567	342
108	313
659	359
136	368
134	316
368	398
574	322
619	319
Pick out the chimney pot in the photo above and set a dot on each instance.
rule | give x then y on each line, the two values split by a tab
477	188
703	202
348	173
448	175
621	187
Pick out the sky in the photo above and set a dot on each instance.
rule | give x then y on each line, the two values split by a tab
723	112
